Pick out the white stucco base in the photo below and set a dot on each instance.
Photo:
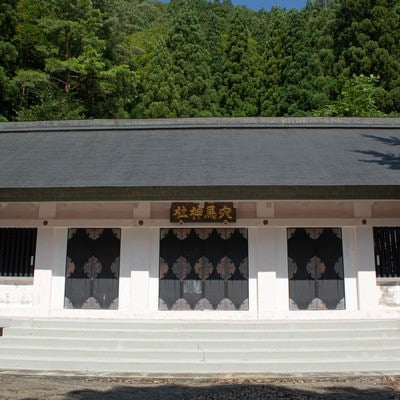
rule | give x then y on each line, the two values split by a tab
16	295
389	296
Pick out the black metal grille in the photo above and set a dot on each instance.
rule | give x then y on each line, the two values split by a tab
204	269
17	251
316	273
387	252
92	270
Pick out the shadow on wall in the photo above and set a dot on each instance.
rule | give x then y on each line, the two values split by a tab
390	159
237	392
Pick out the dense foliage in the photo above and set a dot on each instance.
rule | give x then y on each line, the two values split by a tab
73	59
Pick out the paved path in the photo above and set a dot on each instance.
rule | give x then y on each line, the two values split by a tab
61	387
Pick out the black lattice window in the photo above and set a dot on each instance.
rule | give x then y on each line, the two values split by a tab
387	252
92	268
316	273
203	269
17	251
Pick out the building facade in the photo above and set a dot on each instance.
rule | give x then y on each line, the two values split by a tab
239	219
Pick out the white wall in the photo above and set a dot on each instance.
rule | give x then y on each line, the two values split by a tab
16	295
268	274
389	296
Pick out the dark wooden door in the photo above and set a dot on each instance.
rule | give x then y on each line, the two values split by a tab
315	262
92	270
203	269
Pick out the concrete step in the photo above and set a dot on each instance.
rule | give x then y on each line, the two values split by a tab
48	326
231	355
184	367
176	334
327	325
205	344
202	347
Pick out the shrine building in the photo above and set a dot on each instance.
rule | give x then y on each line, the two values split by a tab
200	219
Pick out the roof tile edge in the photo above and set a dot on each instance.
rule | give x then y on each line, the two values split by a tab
199	123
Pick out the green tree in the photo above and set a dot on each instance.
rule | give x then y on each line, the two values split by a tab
321	79
367	40
161	97
296	91
276	35
60	52
131	28
239	86
62	37
142	58
357	99
8	57
181	66
69	53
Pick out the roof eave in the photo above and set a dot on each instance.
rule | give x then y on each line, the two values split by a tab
182	193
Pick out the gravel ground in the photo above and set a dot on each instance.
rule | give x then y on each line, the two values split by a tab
62	387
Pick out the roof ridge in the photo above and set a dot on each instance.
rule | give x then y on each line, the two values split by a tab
200	123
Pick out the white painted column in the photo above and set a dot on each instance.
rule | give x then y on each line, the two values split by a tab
282	275
60	259
273	286
267	271
153	240
350	268
126	265
136	251
42	282
366	276
253	270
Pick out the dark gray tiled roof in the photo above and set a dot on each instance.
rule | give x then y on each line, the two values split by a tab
200	158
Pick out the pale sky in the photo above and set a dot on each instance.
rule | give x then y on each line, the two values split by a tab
267	4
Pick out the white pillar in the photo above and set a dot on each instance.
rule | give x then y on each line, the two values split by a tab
349	266
43	270
366	276
124	290
267	249
153	240
253	270
137	247
282	275
60	259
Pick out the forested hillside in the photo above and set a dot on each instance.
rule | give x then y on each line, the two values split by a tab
73	59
